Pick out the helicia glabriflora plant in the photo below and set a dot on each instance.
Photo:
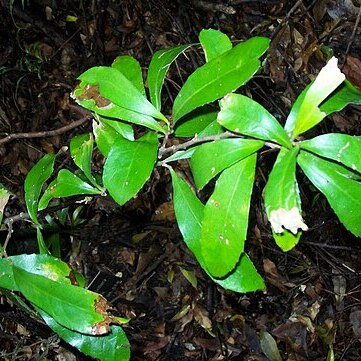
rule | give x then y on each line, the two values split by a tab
225	139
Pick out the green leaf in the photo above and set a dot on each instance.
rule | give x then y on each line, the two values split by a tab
108	132
111	85
244	278
196	121
7	280
189	212
213	128
214	43
333	180
309	113
286	240
225	221
34	182
40	264
123	129
282	199
181	154
345	94
69	184
91	102
220	76
342	148
243	115
129	165
210	159
4	198
112	347
158	67
46	197
43	249
130	68
73	307
81	149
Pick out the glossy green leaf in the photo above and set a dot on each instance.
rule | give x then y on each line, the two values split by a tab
7	280
333	180
211	158
181	154
342	148
81	149
291	119
69	184
111	85
34	182
129	165
73	307
282	199
46	197
158	67
196	121
345	94
243	115
213	128
130	68
225	220
40	264
189	213
117	112
43	249
108	132
123	129
286	240
220	76
309	113
214	43
112	347
244	278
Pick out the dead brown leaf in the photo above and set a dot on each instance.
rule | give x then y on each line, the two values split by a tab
352	70
273	276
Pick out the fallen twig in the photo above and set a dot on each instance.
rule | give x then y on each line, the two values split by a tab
49	133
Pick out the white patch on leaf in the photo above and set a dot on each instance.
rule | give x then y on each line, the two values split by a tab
287	219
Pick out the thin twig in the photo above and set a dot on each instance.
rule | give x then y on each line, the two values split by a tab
353	31
48	133
8	222
163	152
196	140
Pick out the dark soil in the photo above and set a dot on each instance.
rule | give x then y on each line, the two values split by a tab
313	300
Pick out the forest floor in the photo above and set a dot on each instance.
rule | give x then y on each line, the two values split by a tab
312	305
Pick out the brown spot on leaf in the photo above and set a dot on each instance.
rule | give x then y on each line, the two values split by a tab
92	92
101	328
72	278
101	307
